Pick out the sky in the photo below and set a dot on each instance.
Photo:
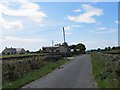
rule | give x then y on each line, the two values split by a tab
31	25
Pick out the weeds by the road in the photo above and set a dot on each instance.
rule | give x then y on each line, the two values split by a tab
0	75
106	70
36	74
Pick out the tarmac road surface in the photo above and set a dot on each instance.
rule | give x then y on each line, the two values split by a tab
76	74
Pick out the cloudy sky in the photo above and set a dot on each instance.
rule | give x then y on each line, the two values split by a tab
31	25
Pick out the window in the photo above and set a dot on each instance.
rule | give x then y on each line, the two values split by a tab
3	53
8	53
44	49
57	50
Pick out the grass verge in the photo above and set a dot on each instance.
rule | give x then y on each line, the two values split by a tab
34	75
0	75
104	71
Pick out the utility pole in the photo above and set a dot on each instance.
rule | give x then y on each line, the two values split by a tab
52	43
64	34
64	41
52	46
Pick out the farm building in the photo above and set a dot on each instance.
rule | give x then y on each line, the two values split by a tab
9	51
20	50
49	49
55	49
61	49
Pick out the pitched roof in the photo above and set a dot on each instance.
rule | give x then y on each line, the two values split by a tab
51	48
18	49
11	48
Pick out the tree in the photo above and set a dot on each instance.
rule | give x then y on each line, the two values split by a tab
72	46
81	47
106	49
59	44
109	48
98	49
113	48
65	44
27	51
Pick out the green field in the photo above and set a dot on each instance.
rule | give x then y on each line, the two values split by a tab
106	70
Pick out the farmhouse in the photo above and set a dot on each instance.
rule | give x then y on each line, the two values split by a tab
9	51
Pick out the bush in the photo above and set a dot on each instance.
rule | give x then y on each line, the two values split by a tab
106	70
52	57
13	69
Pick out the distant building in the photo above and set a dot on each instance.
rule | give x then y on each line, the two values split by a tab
9	51
55	49
49	49
20	50
61	49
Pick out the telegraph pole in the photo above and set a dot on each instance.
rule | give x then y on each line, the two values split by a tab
52	43
64	41
52	46
64	34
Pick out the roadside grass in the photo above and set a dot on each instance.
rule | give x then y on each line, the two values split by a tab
0	75
115	50
104	71
34	75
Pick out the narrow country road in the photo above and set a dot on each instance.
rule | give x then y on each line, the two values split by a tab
76	74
